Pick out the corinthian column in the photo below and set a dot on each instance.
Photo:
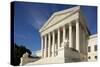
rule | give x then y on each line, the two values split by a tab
45	51
58	38
70	35
77	35
53	43
49	44
63	35
42	45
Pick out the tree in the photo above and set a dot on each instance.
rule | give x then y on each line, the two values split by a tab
17	52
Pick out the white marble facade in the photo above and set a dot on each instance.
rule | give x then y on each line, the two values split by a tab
63	31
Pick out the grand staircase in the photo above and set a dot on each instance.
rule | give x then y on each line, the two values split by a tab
50	60
65	55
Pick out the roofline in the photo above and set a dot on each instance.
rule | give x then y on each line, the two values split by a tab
93	36
83	17
59	12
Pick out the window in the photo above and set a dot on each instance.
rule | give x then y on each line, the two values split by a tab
89	49
89	57
95	57
95	47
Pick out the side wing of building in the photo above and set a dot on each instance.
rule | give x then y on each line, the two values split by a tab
92	48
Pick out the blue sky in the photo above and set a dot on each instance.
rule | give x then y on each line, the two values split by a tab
29	18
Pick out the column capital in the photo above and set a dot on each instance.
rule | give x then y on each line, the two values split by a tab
77	20
70	24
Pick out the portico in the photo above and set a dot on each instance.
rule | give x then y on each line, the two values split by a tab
64	32
54	40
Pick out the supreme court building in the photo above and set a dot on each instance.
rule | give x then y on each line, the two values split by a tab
64	37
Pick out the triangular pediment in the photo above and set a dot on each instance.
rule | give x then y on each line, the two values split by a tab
58	16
